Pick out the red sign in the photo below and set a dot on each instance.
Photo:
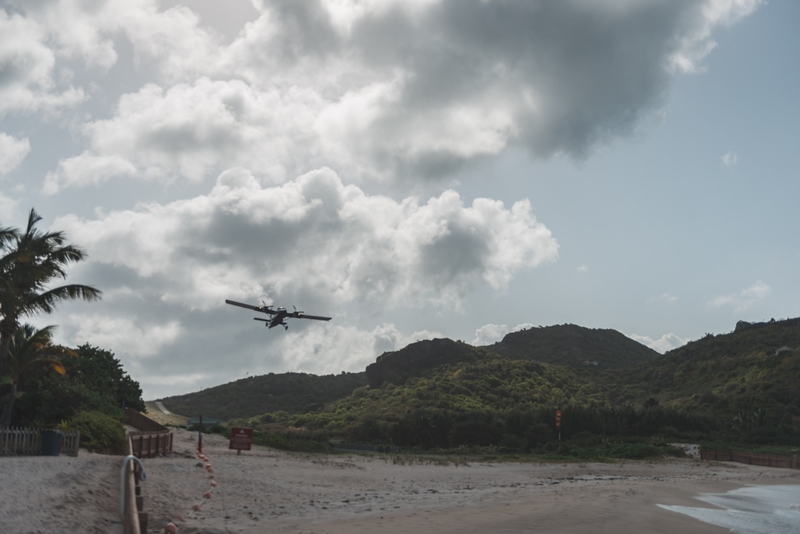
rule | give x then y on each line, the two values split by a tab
241	438
558	418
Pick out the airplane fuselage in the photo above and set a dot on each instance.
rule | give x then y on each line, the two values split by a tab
278	318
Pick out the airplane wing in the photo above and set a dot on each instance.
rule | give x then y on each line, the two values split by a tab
261	309
315	317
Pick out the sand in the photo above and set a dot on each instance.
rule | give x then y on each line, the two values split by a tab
269	491
54	494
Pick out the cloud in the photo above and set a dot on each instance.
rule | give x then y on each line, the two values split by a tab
663	344
730	159
191	130
664	297
696	43
86	169
133	336
172	39
492	333
12	152
317	236
7	206
381	89
583	269
743	300
332	348
26	69
454	80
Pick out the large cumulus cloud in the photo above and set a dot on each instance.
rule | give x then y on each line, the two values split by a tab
388	88
191	130
333	240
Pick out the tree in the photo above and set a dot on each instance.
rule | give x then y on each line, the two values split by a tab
30	261
102	373
29	350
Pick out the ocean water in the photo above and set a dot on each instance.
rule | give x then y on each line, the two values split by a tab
750	510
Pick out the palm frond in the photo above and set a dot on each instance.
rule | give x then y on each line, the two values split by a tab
46	302
56	365
7	235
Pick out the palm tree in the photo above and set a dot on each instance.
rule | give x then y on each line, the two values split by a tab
31	260
28	350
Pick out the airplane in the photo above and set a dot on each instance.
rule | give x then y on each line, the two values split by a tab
279	315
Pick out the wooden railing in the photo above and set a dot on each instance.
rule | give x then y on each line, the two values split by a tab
28	441
151	439
765	460
148	444
133	519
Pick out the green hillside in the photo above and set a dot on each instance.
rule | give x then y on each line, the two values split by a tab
755	366
289	392
485	383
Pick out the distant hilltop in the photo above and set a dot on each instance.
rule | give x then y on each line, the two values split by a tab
568	344
574	345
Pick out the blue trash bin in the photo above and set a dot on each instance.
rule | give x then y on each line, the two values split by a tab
51	442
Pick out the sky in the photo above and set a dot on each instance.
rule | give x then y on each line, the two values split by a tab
412	168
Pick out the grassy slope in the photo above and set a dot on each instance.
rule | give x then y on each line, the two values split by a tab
289	392
153	412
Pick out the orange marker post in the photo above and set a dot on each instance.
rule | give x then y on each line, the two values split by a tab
558	423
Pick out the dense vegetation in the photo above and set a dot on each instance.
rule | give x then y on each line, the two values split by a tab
89	397
492	401
94	382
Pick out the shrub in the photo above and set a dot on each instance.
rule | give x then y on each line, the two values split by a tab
100	432
288	443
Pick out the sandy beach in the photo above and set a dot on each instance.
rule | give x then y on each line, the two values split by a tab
270	491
